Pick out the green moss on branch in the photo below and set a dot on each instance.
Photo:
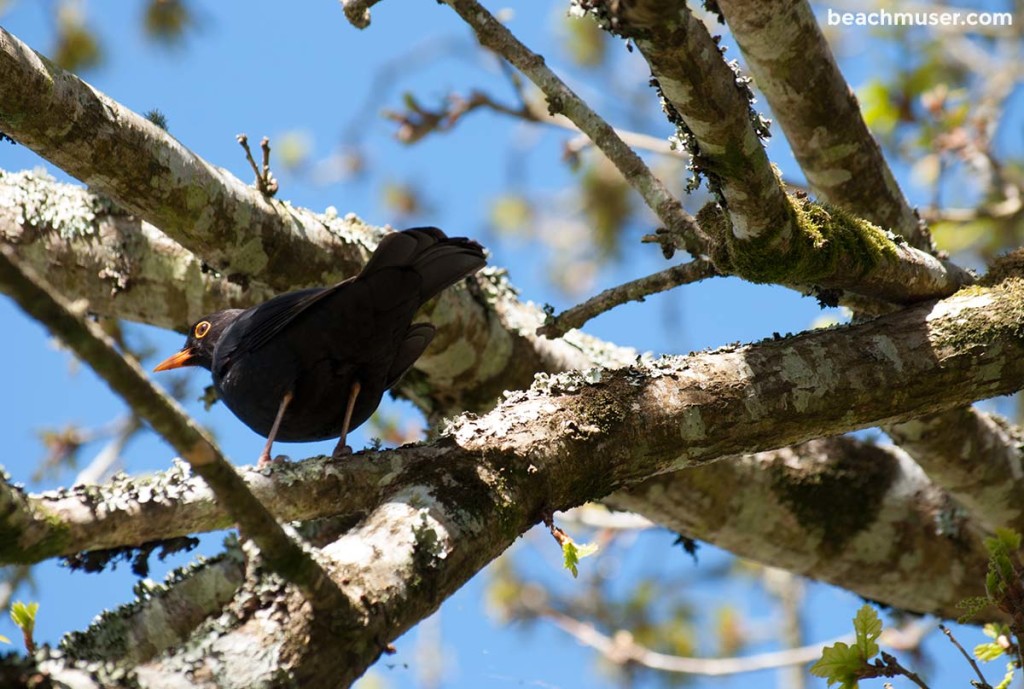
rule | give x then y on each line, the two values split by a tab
819	244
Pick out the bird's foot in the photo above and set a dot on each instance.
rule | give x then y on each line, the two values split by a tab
265	460
341	451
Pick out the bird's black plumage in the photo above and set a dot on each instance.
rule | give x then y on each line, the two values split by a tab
323	347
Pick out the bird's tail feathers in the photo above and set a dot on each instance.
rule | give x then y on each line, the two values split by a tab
440	260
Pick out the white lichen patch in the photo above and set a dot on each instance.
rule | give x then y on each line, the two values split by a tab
958	304
691	425
885	348
826	178
379	555
42	202
248	258
457	358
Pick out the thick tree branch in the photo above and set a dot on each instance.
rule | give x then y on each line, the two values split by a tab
126	378
126	268
974	456
163	617
233	227
702	97
829	250
795	70
833	509
574	438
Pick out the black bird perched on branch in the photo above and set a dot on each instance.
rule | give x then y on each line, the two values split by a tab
313	364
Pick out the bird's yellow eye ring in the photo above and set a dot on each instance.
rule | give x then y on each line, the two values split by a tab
202	327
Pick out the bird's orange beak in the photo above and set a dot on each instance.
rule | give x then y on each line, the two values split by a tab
182	358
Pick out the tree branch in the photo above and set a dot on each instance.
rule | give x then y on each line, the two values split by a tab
795	70
794	509
485	335
762	235
635	290
90	249
572	438
233	227
137	632
974	456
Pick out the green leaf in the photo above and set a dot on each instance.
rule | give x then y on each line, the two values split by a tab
844	664
24	615
573	553
988	651
868	627
994	631
1002	571
840	664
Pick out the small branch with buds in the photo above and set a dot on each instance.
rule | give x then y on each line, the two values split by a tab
265	182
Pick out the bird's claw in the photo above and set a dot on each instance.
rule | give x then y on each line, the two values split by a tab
341	451
265	460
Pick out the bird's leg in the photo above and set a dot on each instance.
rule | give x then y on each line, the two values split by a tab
341	449
265	455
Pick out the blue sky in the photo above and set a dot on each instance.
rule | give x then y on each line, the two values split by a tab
268	68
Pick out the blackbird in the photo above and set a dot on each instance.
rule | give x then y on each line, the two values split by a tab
313	364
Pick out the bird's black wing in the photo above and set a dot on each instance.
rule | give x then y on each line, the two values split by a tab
260	325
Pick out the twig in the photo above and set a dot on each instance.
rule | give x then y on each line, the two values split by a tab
977	670
418	121
358	12
444	119
282	554
621	648
637	290
265	182
888	666
562	100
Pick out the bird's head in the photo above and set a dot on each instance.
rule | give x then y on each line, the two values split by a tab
202	340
